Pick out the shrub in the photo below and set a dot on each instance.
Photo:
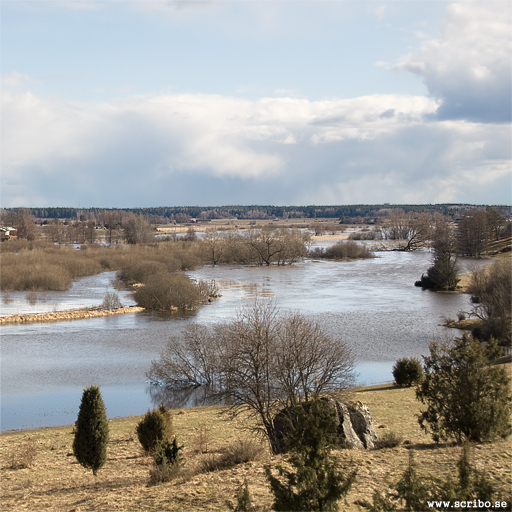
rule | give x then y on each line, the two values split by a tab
315	482
111	301
166	291
413	491
466	395
152	429
342	251
243	499
166	453
388	440
407	372
91	433
23	456
238	453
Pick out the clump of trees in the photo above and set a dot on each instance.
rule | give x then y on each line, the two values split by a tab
164	292
258	363
467	396
91	431
491	295
442	275
266	246
342	251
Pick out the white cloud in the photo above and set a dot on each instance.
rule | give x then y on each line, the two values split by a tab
210	149
468	67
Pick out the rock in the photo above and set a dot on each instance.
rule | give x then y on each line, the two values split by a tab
362	423
352	423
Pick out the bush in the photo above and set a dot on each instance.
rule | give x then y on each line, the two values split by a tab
467	396
239	453
243	499
152	430
164	292
23	456
315	482
412	491
111	301
91	434
166	453
388	440
407	372
342	251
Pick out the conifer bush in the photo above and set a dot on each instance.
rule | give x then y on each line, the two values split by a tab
91	432
467	396
407	371
315	483
153	429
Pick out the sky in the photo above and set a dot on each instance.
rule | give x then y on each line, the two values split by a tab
125	104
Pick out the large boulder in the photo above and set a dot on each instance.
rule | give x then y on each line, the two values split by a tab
352	424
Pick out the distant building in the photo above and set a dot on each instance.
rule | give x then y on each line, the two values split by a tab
7	233
203	221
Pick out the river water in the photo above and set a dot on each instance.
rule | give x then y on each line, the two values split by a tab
372	305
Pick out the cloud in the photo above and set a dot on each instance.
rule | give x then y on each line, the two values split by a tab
165	149
468	67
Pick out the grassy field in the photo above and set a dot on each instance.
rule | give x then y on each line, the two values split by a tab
56	482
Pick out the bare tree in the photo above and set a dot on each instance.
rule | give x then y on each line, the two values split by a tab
491	294
190	360
258	363
473	233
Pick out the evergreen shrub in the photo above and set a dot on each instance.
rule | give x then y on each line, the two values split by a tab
91	431
407	371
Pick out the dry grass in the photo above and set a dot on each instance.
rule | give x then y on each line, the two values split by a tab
56	482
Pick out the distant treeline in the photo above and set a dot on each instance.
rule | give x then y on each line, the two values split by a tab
181	214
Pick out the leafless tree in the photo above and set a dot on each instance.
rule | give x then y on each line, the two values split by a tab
491	291
258	363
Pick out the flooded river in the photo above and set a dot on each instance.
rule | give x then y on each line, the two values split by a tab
372	304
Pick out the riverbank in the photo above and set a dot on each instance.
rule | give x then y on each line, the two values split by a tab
73	314
55	481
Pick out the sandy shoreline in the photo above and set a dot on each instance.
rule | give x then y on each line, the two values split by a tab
73	314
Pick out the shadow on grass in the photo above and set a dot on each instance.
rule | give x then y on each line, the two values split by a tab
428	446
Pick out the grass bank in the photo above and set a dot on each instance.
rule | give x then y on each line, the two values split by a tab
56	482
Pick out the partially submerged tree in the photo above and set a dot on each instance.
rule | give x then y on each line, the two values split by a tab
259	363
91	431
444	271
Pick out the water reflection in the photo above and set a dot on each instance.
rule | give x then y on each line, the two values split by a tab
179	398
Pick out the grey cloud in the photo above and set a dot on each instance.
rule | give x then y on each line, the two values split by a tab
207	150
468	67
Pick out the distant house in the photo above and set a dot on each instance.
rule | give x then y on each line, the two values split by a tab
7	233
203	221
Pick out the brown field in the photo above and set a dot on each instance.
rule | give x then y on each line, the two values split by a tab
56	482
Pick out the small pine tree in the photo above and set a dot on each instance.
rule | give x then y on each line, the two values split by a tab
167	453
91	433
154	428
411	489
315	483
243	499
